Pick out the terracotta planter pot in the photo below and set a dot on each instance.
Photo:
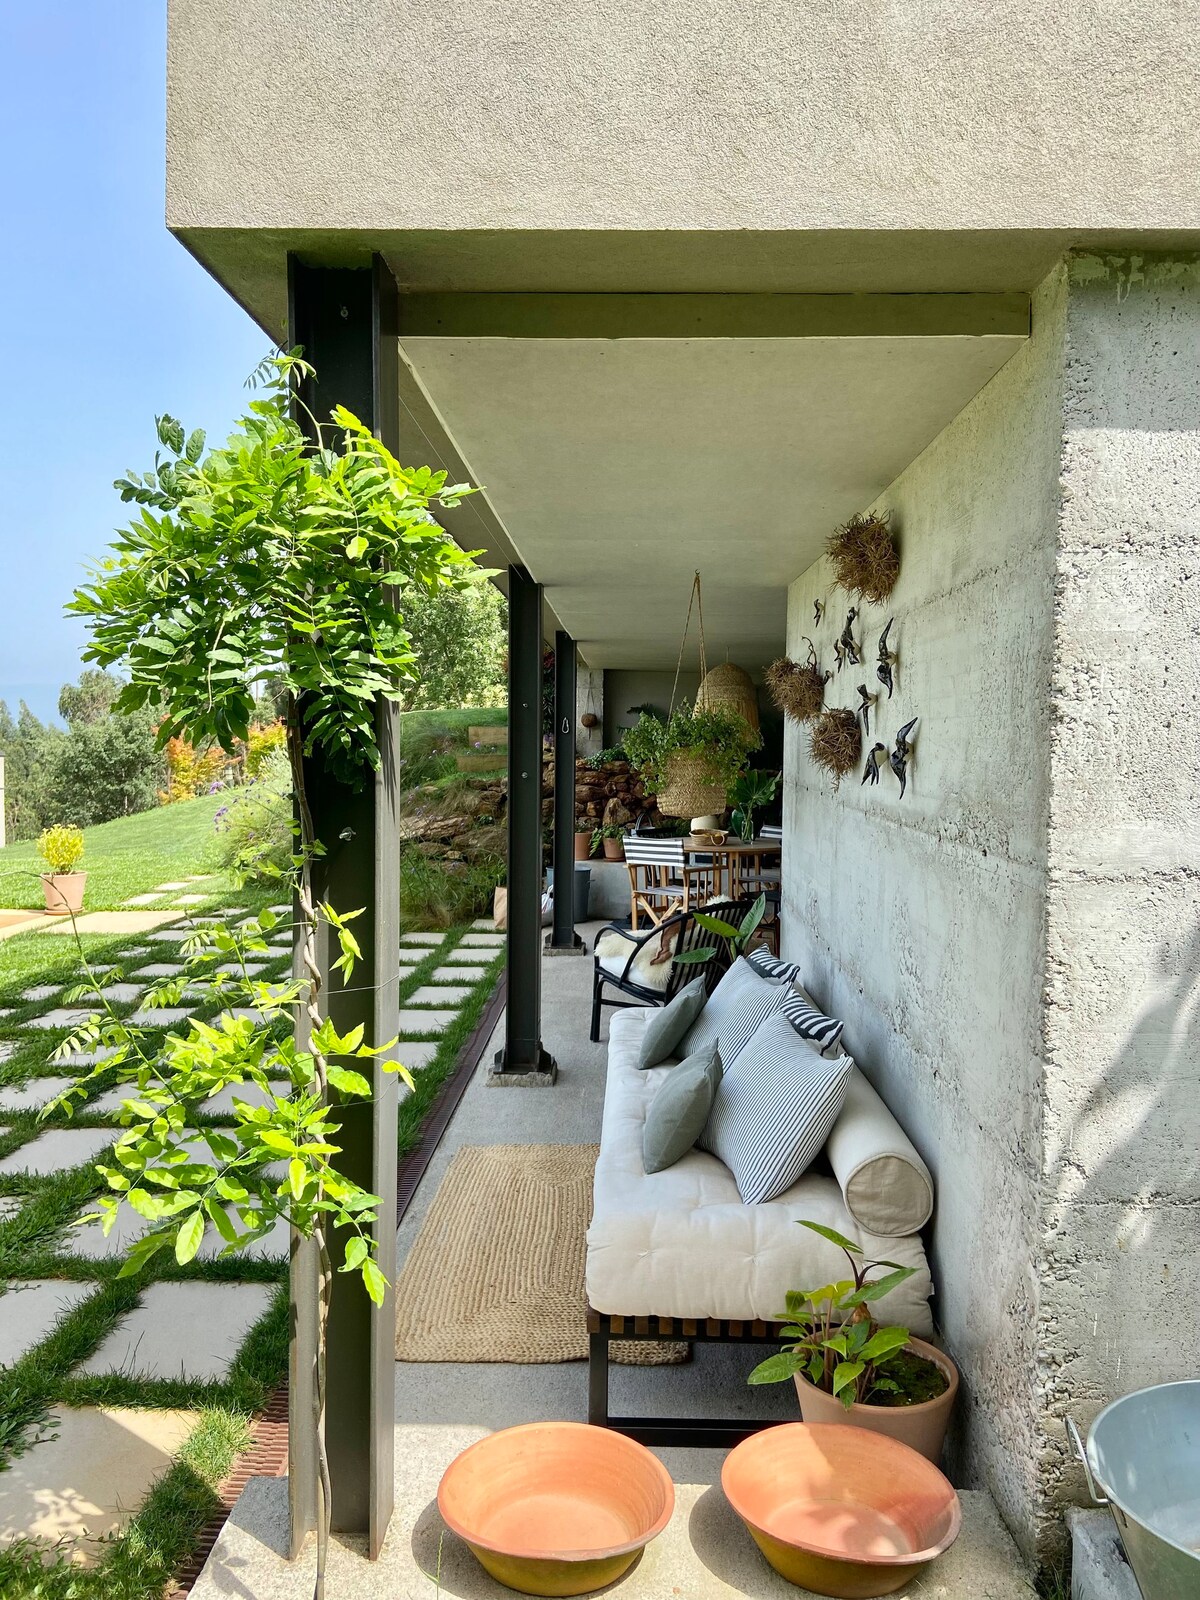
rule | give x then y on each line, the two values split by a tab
64	892
583	846
922	1427
614	850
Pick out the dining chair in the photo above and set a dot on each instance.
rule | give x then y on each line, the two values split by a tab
661	878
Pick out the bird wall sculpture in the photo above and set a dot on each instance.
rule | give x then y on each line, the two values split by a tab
818	611
898	760
886	659
849	650
871	771
866	700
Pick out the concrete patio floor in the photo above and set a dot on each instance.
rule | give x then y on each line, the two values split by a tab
442	1408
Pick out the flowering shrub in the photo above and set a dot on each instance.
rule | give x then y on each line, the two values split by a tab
61	848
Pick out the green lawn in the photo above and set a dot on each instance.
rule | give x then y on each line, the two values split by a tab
126	857
453	723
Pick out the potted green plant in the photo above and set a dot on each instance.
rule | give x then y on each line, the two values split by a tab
750	792
692	760
611	838
61	848
736	938
586	839
847	1368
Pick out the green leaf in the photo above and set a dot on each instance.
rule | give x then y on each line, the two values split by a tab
347	1082
884	1343
712	924
357	1250
693	958
357	548
297	1175
878	1287
778	1368
845	1374
374	1281
833	1236
187	1240
140	1252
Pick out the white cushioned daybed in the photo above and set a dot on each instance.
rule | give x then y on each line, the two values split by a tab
681	1244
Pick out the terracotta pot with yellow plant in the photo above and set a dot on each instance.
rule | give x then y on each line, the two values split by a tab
61	848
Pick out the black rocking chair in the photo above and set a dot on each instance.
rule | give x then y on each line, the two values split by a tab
688	935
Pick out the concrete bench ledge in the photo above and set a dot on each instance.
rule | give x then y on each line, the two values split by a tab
705	1552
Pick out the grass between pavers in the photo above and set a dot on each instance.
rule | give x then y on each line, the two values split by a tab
136	1565
130	856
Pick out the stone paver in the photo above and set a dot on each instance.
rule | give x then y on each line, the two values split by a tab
57	1150
60	1017
90	1480
86	1058
163	1017
7	1048
494	940
32	1096
171	888
123	994
162	969
10	1204
174	935
114	922
31	1308
232	969
422	1022
483	925
472	953
421	938
250	1093
192	899
41	991
431	994
143	899
459	974
415	1053
182	1331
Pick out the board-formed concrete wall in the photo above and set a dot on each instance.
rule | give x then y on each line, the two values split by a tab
1119	1264
1014	945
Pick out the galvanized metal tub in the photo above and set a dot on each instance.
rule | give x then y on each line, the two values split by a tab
1142	1460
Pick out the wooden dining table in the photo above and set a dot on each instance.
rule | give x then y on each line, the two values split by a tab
737	864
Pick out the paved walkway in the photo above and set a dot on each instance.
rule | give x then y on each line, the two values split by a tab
181	1338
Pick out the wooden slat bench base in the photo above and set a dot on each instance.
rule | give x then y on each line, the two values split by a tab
710	1432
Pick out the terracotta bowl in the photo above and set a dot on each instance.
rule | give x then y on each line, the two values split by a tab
840	1510
556	1508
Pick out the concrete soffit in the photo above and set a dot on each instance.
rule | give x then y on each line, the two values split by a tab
624	439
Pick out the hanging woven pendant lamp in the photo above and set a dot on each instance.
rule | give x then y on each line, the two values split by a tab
728	688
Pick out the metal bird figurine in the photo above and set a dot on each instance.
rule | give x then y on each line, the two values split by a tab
818	611
871	773
849	648
898	760
884	670
839	655
866	698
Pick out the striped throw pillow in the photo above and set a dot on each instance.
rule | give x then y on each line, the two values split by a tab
765	964
737	1006
774	1110
810	1022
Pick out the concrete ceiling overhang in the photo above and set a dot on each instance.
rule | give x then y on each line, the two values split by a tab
614	467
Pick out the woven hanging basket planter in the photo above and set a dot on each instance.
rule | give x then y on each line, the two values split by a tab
797	687
835	742
688	789
864	557
729	688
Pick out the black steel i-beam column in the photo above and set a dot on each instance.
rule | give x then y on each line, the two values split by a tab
522	1060
347	320
563	936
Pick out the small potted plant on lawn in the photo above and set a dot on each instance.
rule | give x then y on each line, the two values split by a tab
847	1368
61	848
611	838
690	761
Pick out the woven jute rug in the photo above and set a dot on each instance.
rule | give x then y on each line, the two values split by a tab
496	1273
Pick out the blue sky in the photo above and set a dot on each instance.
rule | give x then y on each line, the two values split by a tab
104	319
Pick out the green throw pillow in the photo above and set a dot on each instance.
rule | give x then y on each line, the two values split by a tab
667	1026
680	1109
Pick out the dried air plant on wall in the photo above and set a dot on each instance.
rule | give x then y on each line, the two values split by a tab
798	687
835	742
864	556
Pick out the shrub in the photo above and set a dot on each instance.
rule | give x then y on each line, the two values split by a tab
61	848
255	831
439	894
103	769
263	740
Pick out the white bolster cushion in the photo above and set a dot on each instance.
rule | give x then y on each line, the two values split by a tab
885	1184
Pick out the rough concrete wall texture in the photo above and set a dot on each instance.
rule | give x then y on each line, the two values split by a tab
920	920
710	114
1015	944
1119	1273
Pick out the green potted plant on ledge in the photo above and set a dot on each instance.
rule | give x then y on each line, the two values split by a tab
847	1368
61	848
692	760
609	838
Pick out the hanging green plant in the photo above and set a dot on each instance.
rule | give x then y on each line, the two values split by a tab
692	759
864	557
